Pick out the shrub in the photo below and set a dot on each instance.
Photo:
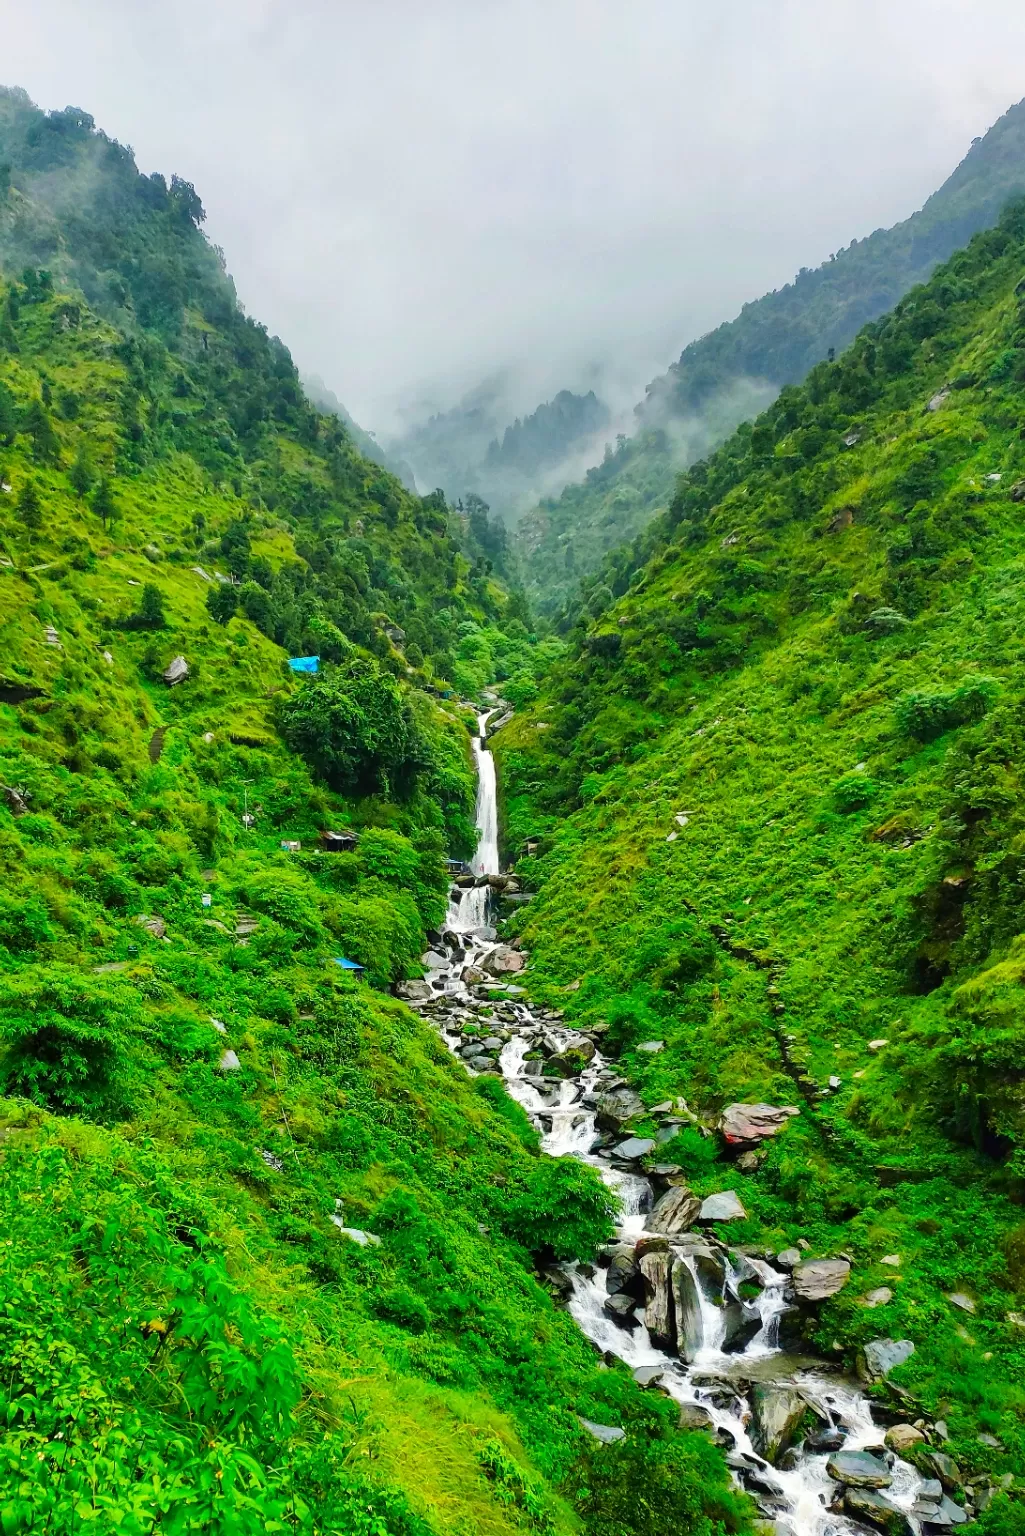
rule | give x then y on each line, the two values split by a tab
65	1039
927	713
562	1207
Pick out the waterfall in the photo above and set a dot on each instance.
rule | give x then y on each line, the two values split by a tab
800	1496
468	910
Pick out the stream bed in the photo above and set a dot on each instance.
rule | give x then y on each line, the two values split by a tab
686	1312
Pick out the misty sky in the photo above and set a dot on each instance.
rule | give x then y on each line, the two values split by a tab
417	193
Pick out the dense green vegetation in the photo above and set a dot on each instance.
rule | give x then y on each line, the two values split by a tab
202	1114
776	788
735	370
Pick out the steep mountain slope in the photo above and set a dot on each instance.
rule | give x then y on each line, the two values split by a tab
328	402
269	1258
735	370
776	796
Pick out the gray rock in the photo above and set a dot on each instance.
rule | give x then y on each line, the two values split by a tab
858	1469
884	1355
621	1309
503	962
229	1062
652	1047
432	961
864	1504
941	1515
776	1416
636	1146
687	1302
824	1440
693	1416
819	1278
656	1269
177	672
722	1207
675	1211
615	1109
622	1272
946	1469
879	1297
648	1375
789	1258
747	1124
606	1433
413	991
902	1438
961	1301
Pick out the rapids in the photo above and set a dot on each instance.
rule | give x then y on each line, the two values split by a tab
796	1496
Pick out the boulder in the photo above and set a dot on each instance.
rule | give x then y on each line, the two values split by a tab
622	1272
656	1269
946	1469
648	1375
632	1149
820	1278
176	672
606	1433
675	1211
559	1280
723	1207
744	1125
903	1438
693	1416
413	991
503	961
776	1416
652	1047
864	1504
858	1469
884	1355
616	1108
941	1515
789	1258
879	1297
824	1440
432	961
960	1300
229	1062
687	1302
470	976
620	1308
154	925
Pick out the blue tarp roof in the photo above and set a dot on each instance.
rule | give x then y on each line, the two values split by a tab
304	663
347	965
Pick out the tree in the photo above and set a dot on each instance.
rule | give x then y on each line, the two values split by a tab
222	602
151	608
30	507
8	415
257	605
356	731
103	503
82	473
37	423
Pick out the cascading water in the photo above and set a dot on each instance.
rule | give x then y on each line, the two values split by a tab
799	1495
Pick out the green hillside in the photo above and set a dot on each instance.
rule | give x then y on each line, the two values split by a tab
776	794
196	1098
733	372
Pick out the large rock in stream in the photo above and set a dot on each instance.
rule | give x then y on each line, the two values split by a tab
858	1469
676	1211
656	1267
687	1307
777	1414
866	1505
503	961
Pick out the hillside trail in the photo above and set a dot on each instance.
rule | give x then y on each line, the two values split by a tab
721	1308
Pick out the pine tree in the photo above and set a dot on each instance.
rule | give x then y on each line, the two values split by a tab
37	423
30	508
103	503
82	473
151	607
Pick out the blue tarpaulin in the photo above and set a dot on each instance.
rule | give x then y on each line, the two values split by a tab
347	965
304	663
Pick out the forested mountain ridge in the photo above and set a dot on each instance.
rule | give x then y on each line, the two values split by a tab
775	807
469	451
268	1257
734	370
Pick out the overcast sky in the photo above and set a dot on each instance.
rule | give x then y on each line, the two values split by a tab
417	193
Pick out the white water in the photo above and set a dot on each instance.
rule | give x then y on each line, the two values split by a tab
799	1498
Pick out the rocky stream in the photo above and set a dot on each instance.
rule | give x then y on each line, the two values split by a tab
690	1314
